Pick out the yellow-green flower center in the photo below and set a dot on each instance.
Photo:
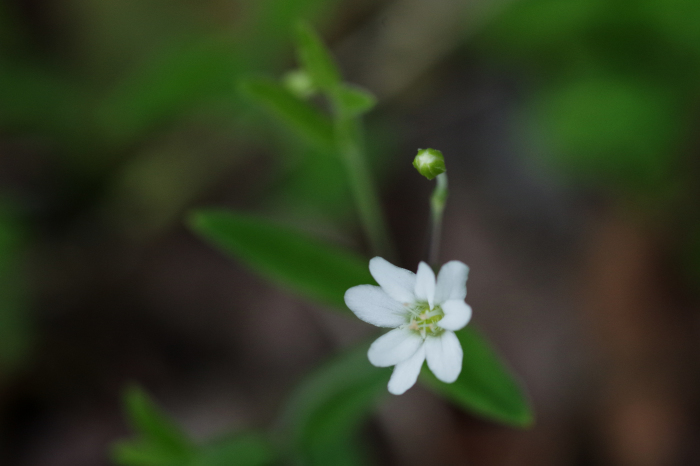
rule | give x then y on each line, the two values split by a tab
424	320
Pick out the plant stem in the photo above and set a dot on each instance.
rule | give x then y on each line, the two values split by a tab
437	207
349	141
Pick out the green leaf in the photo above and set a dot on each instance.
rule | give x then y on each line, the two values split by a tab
314	172
324	273
155	426
283	255
15	326
484	386
145	453
316	59
608	129
199	74
544	29
36	98
323	414
249	449
280	102
355	100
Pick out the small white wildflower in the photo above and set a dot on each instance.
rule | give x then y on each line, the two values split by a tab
424	315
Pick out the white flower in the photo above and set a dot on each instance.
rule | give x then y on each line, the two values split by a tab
424	315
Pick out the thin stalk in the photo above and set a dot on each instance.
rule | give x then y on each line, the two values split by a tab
437	207
349	141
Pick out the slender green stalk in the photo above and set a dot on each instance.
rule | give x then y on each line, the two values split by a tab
437	207
349	141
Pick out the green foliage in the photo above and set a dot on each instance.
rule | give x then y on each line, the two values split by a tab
316	59
321	418
617	82
36	98
485	386
354	100
323	273
346	103
160	442
14	323
616	131
543	29
314	172
135	453
241	449
677	21
309	122
283	255
181	80
156	428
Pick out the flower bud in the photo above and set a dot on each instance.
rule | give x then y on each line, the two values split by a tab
299	83
429	163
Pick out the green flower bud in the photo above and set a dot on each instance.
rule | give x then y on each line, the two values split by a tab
299	83
429	163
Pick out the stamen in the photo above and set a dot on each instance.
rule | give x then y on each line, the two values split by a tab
425	320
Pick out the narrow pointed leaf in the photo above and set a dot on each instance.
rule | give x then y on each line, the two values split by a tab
248	449
355	100
324	413
145	453
285	256
316	59
323	273
485	386
148	420
299	114
183	79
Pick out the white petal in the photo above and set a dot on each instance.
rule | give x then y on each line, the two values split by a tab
394	347
451	282
444	355
425	284
371	304
406	373
457	314
395	281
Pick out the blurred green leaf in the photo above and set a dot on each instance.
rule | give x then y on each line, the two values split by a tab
316	59
542	29
355	100
15	333
612	130
181	80
323	414
323	273
283	255
485	386
158	429
162	443
35	98
242	449
146	453
314	172
677	20
280	102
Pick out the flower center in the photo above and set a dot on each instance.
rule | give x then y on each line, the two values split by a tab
424	320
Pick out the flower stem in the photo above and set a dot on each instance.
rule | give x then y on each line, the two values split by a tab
348	137
437	207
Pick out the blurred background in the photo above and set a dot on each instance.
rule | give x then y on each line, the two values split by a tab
569	130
